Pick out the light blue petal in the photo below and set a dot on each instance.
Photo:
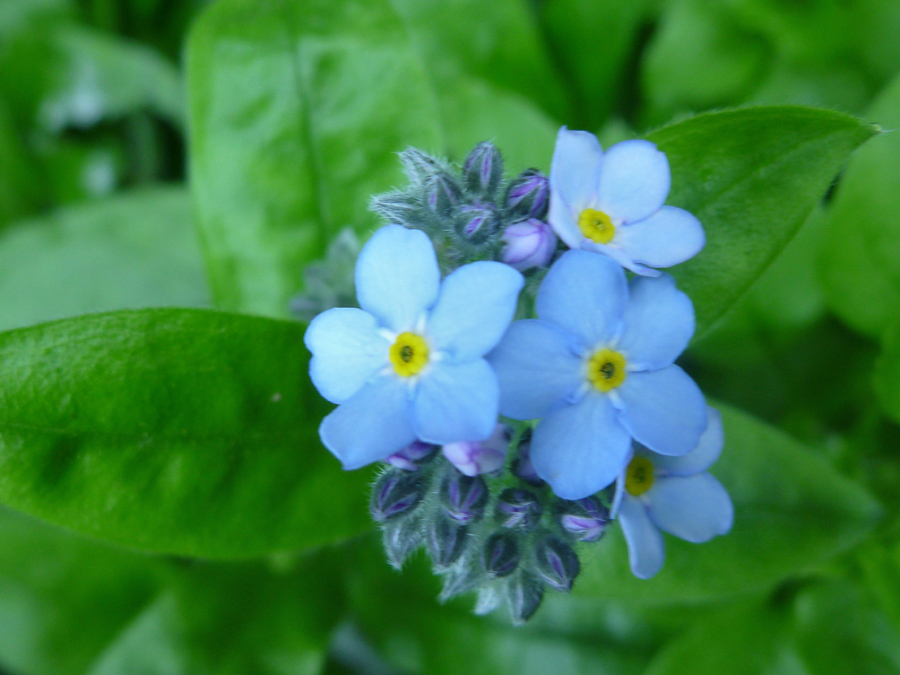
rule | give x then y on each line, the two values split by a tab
694	508
663	409
372	425
700	458
620	257
397	276
456	402
575	168
535	367
474	308
580	449
584	294
347	351
659	323
562	221
668	237
634	181
646	549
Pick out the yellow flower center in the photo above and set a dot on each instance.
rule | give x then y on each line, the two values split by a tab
639	476
606	369
596	226
408	354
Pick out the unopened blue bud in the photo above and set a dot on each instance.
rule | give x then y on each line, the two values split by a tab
525	594
528	244
477	457
410	457
586	518
522	466
518	509
476	222
483	169
443	194
395	493
464	497
528	195
501	554
447	541
557	563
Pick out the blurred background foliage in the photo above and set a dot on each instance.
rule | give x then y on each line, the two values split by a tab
286	115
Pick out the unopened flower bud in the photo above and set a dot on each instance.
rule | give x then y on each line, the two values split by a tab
501	554
557	563
477	457
401	537
522	466
518	509
443	194
418	166
397	207
464	497
586	518
446	541
483	169
396	492
409	457
525	595
529	243
528	195
476	222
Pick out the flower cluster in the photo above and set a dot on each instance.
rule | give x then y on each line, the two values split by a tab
507	445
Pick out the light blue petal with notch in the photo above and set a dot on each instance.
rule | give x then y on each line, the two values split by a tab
575	168
668	237
634	181
397	277
474	308
456	402
694	508
646	549
700	458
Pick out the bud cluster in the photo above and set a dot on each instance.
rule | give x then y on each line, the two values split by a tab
502	533
473	212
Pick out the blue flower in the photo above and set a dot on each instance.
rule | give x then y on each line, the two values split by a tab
408	365
612	203
675	495
597	366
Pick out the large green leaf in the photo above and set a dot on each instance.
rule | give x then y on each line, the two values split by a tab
887	372
792	512
63	598
751	176
180	431
297	111
860	258
234	620
132	251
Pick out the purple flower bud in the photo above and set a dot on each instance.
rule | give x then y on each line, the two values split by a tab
443	194
446	541
529	243
500	555
477	457
528	195
557	563
476	222
586	518
525	595
464	497
408	458
523	468
483	169
518	509
419	166
395	493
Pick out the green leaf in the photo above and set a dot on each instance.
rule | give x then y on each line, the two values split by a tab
751	176
234	620
792	511
860	258
19	184
178	431
63	598
329	92
497	43
886	377
132	251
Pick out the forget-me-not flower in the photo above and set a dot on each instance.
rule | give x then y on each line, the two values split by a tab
612	203
675	495
597	366
408	365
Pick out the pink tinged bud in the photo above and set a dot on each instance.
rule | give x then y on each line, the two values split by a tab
530	243
407	457
476	457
